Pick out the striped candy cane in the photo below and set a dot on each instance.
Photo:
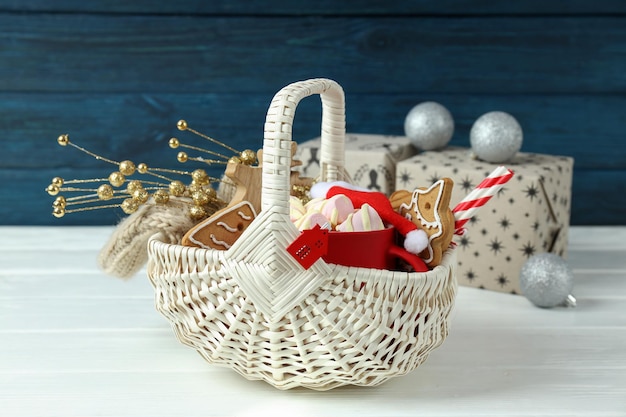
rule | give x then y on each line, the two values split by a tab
479	196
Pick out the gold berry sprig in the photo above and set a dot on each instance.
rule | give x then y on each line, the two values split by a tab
119	190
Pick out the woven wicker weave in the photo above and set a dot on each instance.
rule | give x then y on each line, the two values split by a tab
255	309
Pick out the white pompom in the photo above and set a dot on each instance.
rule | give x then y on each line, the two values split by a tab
320	189
416	241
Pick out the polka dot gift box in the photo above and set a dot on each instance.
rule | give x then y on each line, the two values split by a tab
370	159
529	215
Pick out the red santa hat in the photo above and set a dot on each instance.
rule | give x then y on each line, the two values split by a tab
415	239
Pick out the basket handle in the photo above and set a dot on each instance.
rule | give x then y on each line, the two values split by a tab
278	137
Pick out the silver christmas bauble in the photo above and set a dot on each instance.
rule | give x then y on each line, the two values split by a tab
547	280
429	126
496	137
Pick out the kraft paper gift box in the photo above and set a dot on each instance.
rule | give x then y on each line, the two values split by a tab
529	215
370	160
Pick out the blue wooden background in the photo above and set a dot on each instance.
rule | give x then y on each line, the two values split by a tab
117	75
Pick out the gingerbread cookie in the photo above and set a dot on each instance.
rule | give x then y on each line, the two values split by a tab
225	226
222	229
429	209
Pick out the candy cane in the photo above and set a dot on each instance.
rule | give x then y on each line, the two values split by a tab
479	196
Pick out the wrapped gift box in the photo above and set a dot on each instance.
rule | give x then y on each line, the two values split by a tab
370	160
529	215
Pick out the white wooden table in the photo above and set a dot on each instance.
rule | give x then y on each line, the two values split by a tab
75	342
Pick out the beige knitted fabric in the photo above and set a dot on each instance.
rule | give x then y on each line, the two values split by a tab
126	251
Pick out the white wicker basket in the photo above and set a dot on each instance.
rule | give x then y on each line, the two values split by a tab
255	309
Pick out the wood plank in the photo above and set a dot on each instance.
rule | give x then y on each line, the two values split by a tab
594	196
35	239
60	260
138	351
135	126
607	260
318	7
221	392
592	284
592	239
72	281
107	351
138	126
93	313
175	53
535	348
588	307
